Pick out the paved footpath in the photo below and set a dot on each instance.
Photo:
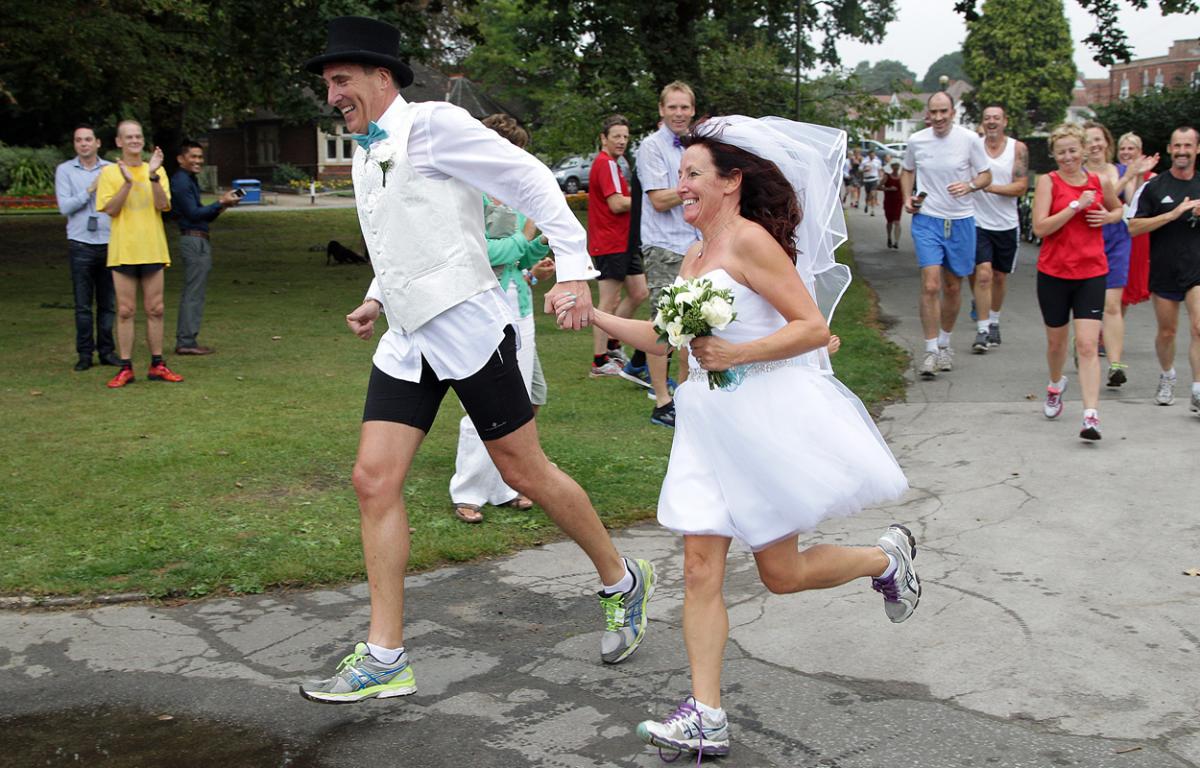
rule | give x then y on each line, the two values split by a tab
1056	627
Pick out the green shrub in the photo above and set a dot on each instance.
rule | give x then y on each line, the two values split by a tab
39	163
285	173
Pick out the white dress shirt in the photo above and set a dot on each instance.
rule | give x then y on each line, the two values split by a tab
449	143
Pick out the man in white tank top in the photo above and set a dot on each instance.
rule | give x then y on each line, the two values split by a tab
418	173
996	236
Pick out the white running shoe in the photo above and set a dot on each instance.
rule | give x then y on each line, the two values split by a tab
945	359
1053	406
686	730
902	590
928	368
1166	390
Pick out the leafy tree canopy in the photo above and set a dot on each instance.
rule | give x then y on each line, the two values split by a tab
1020	54
1152	116
950	65
1108	40
885	76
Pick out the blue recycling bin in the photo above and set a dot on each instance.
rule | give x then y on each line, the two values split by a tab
253	189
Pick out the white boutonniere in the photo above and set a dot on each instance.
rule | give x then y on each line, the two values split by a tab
383	153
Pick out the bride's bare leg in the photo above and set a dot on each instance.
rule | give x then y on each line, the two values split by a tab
785	570
705	620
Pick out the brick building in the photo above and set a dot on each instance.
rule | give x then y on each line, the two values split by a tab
1179	68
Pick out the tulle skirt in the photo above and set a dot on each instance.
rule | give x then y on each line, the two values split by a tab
786	449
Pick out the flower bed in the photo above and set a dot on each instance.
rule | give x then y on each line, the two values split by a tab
28	202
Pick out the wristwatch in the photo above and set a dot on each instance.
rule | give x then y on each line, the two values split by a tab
154	177
1073	205
971	186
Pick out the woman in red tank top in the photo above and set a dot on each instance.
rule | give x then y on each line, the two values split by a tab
1069	208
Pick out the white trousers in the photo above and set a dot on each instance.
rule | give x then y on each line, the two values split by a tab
476	479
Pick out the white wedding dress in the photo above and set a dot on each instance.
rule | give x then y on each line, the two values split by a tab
784	448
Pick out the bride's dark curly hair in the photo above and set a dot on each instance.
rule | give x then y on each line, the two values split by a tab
767	197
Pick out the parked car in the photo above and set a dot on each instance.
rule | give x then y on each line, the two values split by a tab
572	173
898	149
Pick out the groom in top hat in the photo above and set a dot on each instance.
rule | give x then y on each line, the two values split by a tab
418	174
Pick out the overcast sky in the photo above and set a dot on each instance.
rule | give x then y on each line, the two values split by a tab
926	29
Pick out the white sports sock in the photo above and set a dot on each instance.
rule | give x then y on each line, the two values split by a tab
943	339
1060	385
982	326
1090	412
1169	374
887	572
993	318
385	655
710	714
1196	387
624	585
931	345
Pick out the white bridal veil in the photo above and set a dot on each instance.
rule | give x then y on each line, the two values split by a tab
810	156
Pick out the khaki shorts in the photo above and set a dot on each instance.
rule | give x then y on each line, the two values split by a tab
662	267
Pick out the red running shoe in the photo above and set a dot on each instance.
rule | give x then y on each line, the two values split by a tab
123	377
161	372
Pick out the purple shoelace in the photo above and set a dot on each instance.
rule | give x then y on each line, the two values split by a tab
687	710
887	587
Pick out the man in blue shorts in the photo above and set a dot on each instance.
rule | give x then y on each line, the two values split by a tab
953	165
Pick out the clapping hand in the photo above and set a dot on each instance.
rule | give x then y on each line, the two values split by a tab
125	171
1145	164
156	160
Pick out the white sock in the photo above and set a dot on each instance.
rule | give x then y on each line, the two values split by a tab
624	585
710	714
982	326
1196	387
887	572
993	318
385	655
931	345
1169	374
943	339
1060	385
1091	412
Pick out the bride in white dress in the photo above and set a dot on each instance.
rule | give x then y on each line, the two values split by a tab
788	445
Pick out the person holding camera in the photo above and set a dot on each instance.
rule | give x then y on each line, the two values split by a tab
194	246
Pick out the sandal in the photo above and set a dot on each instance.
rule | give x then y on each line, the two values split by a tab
519	502
468	513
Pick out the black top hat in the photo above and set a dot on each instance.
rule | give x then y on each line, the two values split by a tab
363	41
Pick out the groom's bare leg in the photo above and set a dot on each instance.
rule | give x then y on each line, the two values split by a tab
524	466
385	453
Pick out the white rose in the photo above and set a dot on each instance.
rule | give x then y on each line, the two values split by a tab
717	312
383	152
684	298
660	320
675	333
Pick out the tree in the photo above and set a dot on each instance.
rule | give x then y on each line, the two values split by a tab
1152	116
886	76
950	65
1019	53
1108	40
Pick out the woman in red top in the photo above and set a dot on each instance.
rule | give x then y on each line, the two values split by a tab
893	202
1069	208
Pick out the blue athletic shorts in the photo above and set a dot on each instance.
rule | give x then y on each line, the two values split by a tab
935	249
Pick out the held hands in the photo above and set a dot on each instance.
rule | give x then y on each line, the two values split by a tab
571	303
156	160
714	353
362	320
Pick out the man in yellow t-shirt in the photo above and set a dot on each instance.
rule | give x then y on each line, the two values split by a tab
135	194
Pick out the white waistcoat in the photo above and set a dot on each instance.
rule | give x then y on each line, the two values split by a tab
998	213
425	236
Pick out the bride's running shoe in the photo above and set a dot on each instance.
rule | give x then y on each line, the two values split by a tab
687	730
902	589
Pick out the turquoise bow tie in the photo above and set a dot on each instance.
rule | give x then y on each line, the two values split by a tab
374	133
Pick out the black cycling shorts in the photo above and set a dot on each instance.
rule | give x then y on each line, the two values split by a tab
1061	298
494	396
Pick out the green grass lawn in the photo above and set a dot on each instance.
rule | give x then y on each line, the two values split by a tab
239	478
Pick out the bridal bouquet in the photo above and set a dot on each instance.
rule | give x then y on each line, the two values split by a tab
692	308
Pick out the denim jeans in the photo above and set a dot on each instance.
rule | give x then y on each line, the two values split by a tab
196	254
92	280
